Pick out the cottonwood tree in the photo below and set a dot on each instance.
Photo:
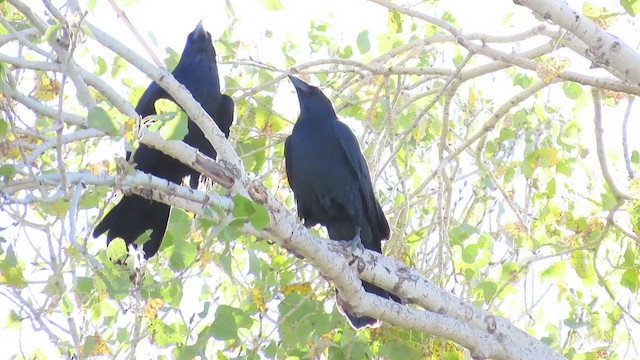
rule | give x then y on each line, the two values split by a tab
514	217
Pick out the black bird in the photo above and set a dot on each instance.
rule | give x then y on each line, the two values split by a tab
331	182
198	72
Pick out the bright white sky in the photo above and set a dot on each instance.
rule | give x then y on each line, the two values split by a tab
171	21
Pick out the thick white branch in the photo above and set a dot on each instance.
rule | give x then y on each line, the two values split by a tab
606	49
453	318
136	179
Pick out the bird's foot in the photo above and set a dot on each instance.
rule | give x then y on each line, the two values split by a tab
356	242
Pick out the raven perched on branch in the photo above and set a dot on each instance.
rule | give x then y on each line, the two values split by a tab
331	182
198	72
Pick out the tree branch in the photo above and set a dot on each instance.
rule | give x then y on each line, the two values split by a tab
605	48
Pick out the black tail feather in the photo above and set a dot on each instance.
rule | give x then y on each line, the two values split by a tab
345	230
131	217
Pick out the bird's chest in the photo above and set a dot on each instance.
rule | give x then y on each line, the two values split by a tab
319	160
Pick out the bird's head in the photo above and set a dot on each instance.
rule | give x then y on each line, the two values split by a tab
310	97
199	43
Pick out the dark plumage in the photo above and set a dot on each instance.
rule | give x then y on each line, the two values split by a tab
330	180
197	71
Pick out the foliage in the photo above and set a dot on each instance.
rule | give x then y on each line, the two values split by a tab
500	199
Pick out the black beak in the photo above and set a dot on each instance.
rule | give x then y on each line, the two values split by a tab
299	84
199	30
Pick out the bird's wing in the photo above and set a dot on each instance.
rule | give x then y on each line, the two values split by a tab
359	166
146	104
288	161
226	115
354	155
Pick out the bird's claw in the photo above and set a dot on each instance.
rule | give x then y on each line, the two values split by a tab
356	242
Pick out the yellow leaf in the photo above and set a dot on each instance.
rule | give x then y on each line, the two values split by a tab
205	258
101	347
258	300
151	308
515	228
551	68
46	88
471	98
301	288
615	95
100	167
130	125
13	152
595	224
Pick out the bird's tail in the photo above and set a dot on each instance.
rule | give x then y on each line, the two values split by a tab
345	230
131	217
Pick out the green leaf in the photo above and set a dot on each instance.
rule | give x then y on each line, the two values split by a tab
301	319
489	289
117	249
555	272
65	305
469	253
178	240
507	134
572	90
117	282
91	5
6	172
574	324
175	128
631	280
243	207
13	320
118	65
101	66
4	126
272	5
89	344
260	218
171	293
631	6
450	355
399	350
179	224
363	42
57	208
162	334
183	255
635	156
171	122
10	271
522	80
254	212
51	35
394	22
84	285
172	59
253	153
224	327
461	233
99	118
143	238
163	106
629	256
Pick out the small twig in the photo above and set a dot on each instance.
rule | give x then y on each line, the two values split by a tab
625	144
125	19
602	158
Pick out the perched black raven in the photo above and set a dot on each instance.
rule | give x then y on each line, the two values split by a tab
198	72
331	182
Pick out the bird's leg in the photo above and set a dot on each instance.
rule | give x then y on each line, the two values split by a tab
356	242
